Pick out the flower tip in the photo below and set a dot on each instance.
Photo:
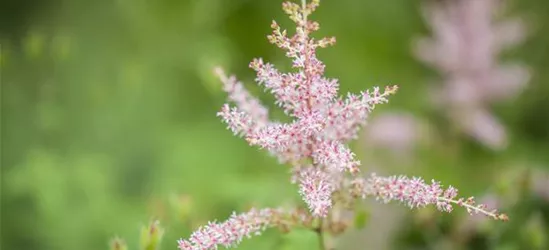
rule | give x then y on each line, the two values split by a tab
354	170
252	141
218	70
391	89
503	217
118	244
274	25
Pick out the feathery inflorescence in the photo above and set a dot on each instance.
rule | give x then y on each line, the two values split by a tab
313	142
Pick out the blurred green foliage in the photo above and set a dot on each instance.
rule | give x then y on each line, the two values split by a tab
108	113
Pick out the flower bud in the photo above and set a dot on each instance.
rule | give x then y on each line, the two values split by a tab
151	236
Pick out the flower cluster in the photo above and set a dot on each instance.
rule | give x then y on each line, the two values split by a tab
464	48
316	188
415	193
230	232
322	121
239	226
313	143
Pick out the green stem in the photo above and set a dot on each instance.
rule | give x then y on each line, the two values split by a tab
323	238
320	232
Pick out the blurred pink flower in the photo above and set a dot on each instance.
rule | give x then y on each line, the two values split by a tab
464	48
484	127
398	132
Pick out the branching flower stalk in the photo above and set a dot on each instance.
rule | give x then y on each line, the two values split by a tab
313	144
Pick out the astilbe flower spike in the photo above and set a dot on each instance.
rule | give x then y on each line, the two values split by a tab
416	193
322	123
313	143
239	226
464	48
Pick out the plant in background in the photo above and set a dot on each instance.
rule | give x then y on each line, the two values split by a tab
314	145
118	244
398	132
149	239
464	49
